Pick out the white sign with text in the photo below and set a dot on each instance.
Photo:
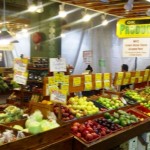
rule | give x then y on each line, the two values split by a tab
136	47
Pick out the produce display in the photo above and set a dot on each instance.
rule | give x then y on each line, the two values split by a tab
113	103
122	118
11	113
81	107
9	136
3	85
66	114
143	109
36	124
145	93
146	104
134	95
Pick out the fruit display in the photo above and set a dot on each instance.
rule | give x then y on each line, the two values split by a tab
81	107
36	124
3	85
66	114
89	131
143	109
113	103
122	118
8	136
108	123
145	93
11	113
134	95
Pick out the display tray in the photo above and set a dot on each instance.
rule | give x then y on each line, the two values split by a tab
129	100
143	109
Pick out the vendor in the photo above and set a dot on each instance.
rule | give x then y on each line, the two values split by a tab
124	68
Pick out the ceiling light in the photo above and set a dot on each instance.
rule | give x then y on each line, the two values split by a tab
86	16
62	12
129	5
5	36
104	20
31	6
40	8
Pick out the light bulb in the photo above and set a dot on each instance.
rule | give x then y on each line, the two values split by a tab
86	18
62	14
104	22
32	8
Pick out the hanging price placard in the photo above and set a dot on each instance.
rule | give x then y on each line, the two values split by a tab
146	72
106	76
51	80
145	78
132	80
140	79
65	88
88	86
76	81
125	81
106	84
120	75
118	82
98	77
65	79
127	75
20	64
98	85
53	88
137	74
88	78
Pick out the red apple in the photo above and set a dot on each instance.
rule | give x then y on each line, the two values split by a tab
103	133
81	127
76	124
74	129
89	137
95	135
85	132
78	134
90	129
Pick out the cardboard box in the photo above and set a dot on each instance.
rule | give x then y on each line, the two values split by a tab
146	137
132	144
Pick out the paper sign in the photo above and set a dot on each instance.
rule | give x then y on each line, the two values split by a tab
65	79
125	81
51	80
137	74
98	77
140	79
88	86
106	84
20	77
76	81
136	47
87	57
118	82
65	88
20	64
120	75
127	75
58	76
106	76
7	47
57	65
132	80
146	72
88	78
145	78
58	97
98	85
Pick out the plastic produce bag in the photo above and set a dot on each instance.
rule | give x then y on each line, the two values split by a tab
8	136
20	135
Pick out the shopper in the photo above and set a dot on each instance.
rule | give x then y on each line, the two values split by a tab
124	68
89	68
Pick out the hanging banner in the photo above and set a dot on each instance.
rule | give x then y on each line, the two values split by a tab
87	57
57	65
136	47
20	64
133	27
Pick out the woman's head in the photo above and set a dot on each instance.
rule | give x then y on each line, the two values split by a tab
124	67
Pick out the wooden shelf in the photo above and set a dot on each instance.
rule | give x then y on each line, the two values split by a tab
32	68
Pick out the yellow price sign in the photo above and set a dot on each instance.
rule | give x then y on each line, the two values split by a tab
98	85
120	75
140	79
146	72
125	81
88	86
76	81
51	80
137	74
106	84
88	78
106	76
118	82
98	77
65	88
145	78
132	80
65	79
127	75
